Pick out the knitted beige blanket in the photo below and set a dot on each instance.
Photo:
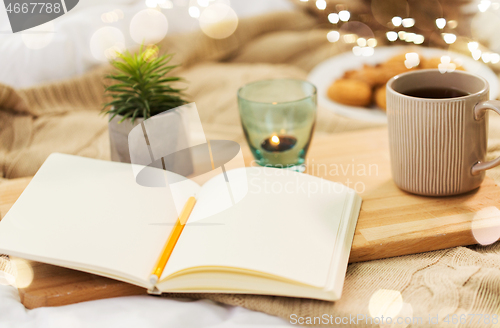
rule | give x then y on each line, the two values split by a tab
440	286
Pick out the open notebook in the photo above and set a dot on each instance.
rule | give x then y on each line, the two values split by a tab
284	237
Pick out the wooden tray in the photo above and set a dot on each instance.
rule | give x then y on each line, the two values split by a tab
391	223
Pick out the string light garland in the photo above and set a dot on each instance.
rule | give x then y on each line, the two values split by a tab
362	25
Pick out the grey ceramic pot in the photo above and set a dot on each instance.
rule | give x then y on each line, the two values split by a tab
166	132
118	138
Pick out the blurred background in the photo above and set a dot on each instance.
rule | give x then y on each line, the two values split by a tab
92	32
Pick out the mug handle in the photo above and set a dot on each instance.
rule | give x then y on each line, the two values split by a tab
479	112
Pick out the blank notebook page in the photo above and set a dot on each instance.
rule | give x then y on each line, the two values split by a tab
93	214
289	233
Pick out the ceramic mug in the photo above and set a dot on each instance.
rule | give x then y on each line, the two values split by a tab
438	143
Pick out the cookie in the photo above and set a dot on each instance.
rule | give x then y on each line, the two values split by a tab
389	70
371	75
366	85
350	92
380	97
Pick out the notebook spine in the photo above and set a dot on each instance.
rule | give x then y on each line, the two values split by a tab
154	291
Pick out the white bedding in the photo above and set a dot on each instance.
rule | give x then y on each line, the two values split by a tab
133	312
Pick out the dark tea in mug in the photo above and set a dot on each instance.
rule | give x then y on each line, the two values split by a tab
436	93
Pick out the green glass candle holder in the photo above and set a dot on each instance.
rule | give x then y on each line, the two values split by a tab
278	119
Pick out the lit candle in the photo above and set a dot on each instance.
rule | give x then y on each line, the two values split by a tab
278	143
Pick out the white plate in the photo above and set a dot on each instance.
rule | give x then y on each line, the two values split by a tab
323	75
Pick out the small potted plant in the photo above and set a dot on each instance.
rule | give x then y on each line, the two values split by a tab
140	89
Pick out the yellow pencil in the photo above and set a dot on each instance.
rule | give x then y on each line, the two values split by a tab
171	241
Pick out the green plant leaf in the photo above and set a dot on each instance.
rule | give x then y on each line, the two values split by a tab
141	87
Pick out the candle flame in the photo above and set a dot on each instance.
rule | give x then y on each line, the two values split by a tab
275	140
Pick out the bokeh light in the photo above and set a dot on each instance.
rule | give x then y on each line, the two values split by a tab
349	38
38	37
361	35
364	46
483	5
396	21
391	36
452	24
476	54
148	26
412	59
406	36
486	57
449	38
371	42
106	42
333	36
321	4
23	273
410	37
485	225
446	66
472	45
218	21
361	42
440	23
385	302
151	52
333	18
194	12
112	16
363	51
408	22
419	39
344	15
